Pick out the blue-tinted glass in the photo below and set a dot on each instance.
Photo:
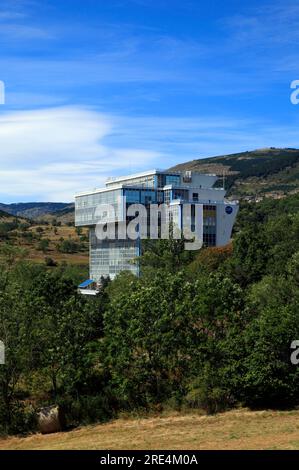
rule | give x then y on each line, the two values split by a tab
132	196
172	179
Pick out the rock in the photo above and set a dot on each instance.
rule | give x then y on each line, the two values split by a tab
50	419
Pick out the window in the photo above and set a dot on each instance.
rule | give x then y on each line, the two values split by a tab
132	196
174	180
167	196
86	206
187	178
148	196
182	194
209	239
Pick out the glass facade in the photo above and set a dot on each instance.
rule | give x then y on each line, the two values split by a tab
148	181
167	196
143	196
175	215
86	206
182	194
209	225
164	179
110	257
132	196
174	180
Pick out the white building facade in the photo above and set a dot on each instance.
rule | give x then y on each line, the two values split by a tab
215	215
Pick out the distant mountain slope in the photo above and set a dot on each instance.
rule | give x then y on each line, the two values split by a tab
263	172
4	215
34	210
65	215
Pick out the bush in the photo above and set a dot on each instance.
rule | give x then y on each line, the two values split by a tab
50	262
270	379
43	245
68	246
18	419
86	409
208	392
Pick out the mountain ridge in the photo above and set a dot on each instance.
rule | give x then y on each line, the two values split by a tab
35	210
265	172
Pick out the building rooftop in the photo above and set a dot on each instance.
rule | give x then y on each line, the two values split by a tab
113	183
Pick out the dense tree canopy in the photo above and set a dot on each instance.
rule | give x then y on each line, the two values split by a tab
211	329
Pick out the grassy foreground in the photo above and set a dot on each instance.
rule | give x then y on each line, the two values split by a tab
239	429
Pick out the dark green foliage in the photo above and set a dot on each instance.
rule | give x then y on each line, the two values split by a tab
168	255
51	336
43	245
157	335
69	246
6	228
211	329
17	418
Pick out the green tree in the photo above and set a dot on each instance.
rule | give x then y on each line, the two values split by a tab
43	245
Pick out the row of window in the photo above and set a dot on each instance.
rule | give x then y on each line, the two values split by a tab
108	258
209	239
92	200
137	196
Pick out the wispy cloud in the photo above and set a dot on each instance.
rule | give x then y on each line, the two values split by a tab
16	32
270	23
53	153
162	85
50	154
17	24
113	54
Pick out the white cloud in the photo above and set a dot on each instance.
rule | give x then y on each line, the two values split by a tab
51	154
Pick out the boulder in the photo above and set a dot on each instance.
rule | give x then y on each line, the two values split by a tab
50	419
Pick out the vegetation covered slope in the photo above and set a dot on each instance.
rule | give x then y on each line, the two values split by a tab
52	239
262	172
207	331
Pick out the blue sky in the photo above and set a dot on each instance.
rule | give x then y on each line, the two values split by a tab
99	88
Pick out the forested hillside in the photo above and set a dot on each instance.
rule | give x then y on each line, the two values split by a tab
264	172
208	330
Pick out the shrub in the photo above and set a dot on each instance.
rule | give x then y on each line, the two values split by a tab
68	246
17	419
50	262
43	245
85	409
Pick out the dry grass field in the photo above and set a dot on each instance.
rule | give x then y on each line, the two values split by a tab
241	429
53	234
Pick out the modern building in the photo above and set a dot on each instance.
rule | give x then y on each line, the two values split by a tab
109	257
